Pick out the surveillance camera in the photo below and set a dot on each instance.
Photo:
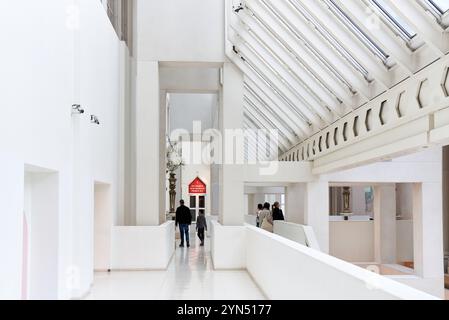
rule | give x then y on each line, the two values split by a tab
76	109
94	119
237	9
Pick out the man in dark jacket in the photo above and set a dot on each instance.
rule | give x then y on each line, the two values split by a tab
277	212
184	219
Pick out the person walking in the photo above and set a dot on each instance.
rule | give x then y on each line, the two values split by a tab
201	225
277	212
184	219
259	210
266	218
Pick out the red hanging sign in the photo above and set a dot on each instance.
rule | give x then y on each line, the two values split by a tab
197	187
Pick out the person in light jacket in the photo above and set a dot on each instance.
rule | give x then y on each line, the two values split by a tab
266	218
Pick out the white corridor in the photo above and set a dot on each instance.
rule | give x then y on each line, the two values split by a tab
190	276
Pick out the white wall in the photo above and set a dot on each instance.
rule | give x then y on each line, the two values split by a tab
177	30
152	247
228	246
352	241
404	240
36	127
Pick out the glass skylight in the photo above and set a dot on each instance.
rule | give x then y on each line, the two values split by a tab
441	5
439	9
403	29
358	32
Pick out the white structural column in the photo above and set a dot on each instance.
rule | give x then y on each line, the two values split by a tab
231	118
427	229
385	223
316	213
147	144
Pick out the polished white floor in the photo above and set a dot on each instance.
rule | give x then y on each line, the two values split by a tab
190	276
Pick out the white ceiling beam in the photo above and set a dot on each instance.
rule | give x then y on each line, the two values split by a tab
277	82
272	100
307	97
259	119
313	57
253	126
277	121
429	31
380	33
329	95
345	37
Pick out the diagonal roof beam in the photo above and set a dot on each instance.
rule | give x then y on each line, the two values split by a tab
290	95
318	97
337	66
416	17
251	124
324	86
311	106
252	102
345	38
264	123
271	101
380	33
275	95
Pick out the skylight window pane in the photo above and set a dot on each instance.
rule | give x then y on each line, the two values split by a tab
441	5
404	30
358	32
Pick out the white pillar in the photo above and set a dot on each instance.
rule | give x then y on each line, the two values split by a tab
231	183
316	213
295	203
385	223
147	144
427	230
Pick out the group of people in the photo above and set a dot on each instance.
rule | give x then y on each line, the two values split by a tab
184	220
266	214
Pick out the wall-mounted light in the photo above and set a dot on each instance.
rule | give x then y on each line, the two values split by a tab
94	119
76	109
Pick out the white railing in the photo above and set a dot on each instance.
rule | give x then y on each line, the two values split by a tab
284	269
143	248
299	233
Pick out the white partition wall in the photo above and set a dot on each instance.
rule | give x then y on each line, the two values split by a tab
143	248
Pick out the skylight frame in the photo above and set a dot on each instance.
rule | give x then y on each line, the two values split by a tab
441	16
313	52
436	4
331	40
359	33
399	27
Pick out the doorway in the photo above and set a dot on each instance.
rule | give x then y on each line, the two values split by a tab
197	206
102	226
40	234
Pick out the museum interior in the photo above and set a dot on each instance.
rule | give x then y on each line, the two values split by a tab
309	140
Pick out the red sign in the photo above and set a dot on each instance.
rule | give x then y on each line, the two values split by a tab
197	187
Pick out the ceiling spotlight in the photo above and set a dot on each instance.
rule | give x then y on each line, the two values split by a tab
94	119
76	109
